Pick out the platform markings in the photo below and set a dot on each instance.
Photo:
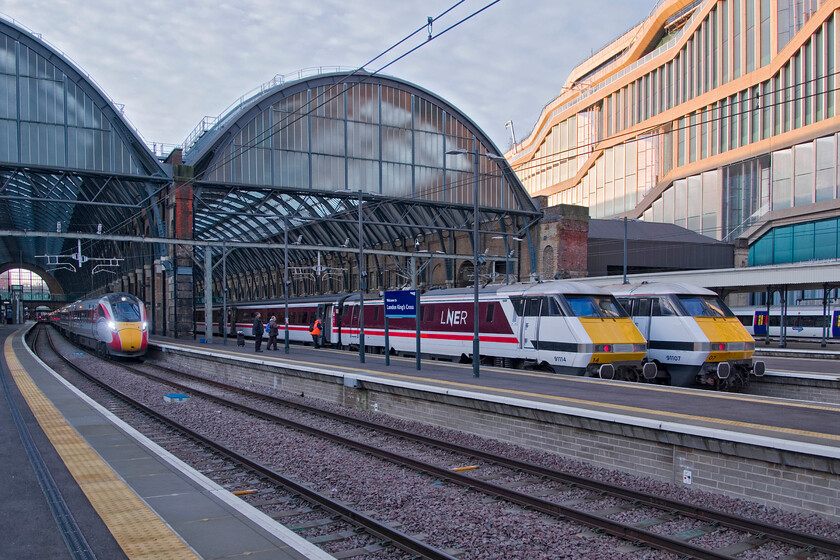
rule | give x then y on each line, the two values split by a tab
136	528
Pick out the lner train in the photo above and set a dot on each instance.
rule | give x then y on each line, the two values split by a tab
559	326
113	325
693	337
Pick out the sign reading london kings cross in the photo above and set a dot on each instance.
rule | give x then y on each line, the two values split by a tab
402	303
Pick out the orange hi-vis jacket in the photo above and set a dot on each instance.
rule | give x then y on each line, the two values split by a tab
316	328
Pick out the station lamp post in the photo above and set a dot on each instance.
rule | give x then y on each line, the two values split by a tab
461	151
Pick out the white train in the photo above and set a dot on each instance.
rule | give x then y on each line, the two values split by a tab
114	324
801	321
560	326
693	337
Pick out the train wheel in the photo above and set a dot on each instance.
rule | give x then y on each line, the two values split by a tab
100	349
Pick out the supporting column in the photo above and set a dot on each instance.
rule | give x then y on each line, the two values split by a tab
208	294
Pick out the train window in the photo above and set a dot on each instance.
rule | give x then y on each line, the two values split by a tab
704	306
375	314
582	306
641	307
532	307
517	302
491	308
553	307
627	304
746	320
662	307
101	310
609	307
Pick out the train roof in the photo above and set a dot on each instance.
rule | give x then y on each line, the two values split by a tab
658	288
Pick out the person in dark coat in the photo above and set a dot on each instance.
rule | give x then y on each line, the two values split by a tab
258	332
272	333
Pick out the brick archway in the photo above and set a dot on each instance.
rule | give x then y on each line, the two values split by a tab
49	279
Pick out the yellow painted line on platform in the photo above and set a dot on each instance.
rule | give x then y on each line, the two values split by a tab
137	529
633	409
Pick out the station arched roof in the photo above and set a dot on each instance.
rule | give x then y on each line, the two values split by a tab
310	149
69	160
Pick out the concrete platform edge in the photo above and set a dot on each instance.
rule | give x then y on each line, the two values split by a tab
260	519
826	451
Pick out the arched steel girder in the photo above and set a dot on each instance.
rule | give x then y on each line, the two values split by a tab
39	198
249	213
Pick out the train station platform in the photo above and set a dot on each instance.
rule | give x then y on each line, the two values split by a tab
80	483
741	444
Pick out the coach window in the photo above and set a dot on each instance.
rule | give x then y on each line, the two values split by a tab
101	311
641	307
491	309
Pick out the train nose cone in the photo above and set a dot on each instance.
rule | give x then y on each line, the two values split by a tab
131	339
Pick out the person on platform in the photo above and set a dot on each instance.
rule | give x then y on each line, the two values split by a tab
272	333
317	328
258	332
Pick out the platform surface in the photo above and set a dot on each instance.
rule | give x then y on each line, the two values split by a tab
130	498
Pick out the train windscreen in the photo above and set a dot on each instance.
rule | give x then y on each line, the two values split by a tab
126	311
595	306
705	306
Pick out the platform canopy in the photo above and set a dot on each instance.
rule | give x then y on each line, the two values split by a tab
305	152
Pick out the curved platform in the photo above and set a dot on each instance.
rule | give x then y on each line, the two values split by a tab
126	496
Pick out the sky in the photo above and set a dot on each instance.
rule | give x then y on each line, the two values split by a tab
172	63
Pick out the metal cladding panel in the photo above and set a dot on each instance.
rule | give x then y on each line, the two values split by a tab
755	278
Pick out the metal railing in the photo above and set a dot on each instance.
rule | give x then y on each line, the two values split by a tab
208	122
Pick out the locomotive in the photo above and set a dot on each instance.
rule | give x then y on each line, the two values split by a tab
693	337
559	326
112	325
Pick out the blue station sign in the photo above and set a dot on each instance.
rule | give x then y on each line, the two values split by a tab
401	303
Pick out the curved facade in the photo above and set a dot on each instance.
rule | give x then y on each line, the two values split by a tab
311	154
356	132
716	115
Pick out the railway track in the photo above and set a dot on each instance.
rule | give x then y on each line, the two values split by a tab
299	507
544	482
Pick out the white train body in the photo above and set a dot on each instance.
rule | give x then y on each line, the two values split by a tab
692	336
114	324
563	326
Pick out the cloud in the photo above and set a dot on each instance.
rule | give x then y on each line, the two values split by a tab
173	63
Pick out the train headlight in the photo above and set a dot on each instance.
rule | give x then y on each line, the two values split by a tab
601	348
144	326
112	325
640	347
750	346
719	346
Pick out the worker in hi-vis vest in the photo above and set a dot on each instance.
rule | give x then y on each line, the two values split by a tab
317	327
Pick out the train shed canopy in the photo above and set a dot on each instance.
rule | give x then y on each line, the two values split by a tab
307	152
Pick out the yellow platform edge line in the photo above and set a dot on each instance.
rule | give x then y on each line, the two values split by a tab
139	531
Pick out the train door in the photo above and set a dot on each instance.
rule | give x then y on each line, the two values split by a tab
530	323
760	323
326	315
641	315
835	325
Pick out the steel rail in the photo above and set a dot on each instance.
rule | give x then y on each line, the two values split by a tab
782	534
615	528
355	517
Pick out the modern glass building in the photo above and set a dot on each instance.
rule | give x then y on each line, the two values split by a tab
719	116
